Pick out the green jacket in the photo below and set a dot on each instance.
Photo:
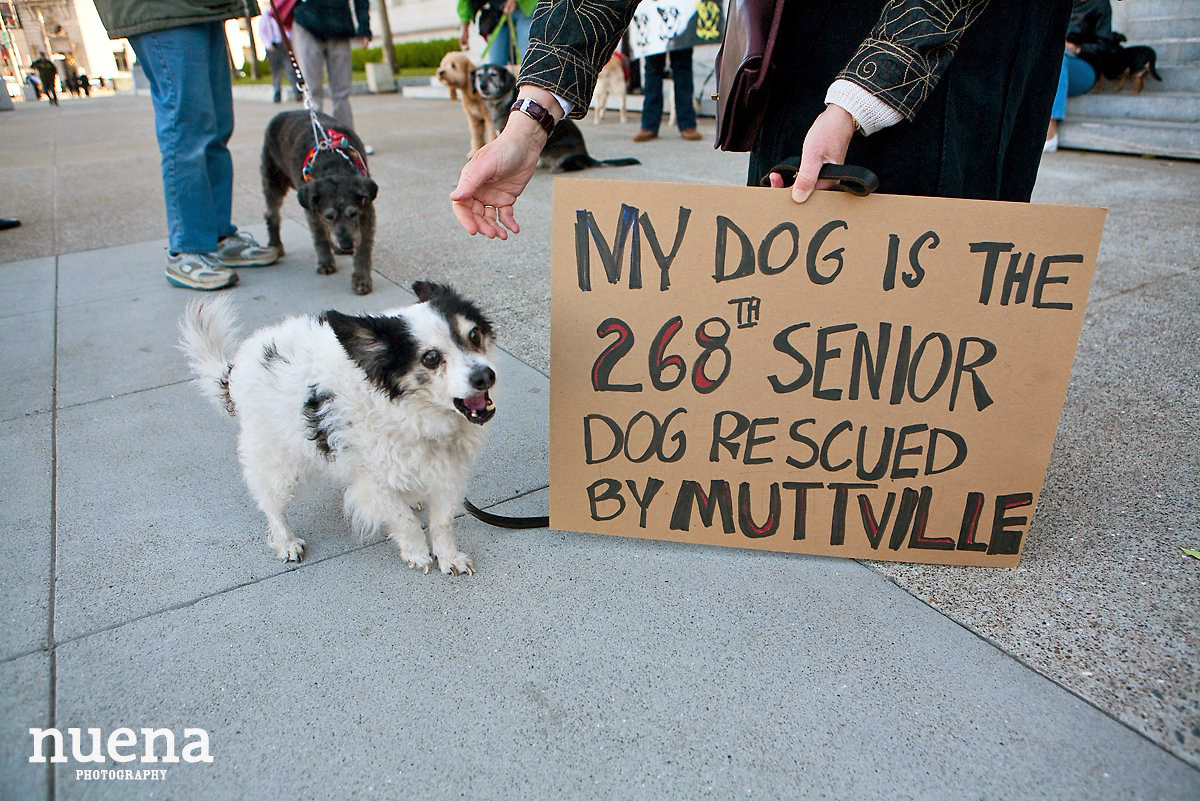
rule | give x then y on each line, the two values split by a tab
466	13
131	17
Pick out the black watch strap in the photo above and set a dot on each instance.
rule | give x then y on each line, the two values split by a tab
535	110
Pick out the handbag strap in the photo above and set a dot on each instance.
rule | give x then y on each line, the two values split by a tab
848	177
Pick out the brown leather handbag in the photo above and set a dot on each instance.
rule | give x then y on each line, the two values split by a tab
743	64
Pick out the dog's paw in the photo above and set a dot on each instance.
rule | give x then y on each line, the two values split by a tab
417	558
456	563
290	551
326	269
361	285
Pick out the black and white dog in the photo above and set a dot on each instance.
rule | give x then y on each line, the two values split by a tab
564	150
393	405
331	184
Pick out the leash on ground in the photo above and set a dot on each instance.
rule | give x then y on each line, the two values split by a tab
321	137
504	521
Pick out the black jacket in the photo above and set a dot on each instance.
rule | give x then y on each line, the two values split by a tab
899	62
331	19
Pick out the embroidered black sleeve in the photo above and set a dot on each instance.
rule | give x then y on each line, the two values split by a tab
909	49
569	43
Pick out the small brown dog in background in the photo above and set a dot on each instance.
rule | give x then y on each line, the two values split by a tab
611	81
458	73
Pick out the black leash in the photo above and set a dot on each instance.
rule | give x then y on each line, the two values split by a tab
503	521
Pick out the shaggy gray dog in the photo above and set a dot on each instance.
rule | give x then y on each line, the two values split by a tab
337	199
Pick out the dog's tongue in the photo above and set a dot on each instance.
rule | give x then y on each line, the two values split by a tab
476	403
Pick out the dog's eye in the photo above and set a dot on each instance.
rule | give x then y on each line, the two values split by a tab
351	212
431	359
331	215
475	337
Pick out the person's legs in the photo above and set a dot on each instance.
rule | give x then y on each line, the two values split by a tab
681	74
310	53
522	24
1059	109
341	75
1081	77
500	47
652	91
219	160
277	60
175	63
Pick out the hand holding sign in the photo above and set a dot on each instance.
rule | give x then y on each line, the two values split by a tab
866	377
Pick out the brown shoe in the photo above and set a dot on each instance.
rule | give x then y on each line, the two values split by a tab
691	134
645	136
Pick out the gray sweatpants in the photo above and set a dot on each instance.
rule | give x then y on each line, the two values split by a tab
315	57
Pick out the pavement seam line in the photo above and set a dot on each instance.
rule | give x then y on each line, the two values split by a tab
53	692
1023	663
124	394
185	604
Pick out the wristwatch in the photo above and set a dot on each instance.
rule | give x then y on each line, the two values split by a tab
537	111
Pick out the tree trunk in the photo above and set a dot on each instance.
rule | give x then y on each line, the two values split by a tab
385	27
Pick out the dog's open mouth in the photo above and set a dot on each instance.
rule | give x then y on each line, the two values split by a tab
476	408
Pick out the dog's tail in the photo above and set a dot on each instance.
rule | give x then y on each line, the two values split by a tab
208	335
617	162
582	161
1153	65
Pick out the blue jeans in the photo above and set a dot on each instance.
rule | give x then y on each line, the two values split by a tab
1076	78
188	71
652	90
500	53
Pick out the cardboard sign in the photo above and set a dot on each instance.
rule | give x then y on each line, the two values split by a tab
875	377
660	26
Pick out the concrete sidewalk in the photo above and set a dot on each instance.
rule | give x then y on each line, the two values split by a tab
138	589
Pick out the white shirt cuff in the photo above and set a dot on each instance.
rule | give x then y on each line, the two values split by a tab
567	105
871	113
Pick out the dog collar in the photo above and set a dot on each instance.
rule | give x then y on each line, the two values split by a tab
338	143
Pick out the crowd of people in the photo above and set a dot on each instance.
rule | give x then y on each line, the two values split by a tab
939	98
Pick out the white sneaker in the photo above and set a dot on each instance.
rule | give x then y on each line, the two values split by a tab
241	250
1051	145
198	271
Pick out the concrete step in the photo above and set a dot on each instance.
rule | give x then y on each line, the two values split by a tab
1158	105
1152	9
1176	79
1143	29
1144	137
1183	50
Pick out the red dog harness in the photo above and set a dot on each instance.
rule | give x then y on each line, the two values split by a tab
338	143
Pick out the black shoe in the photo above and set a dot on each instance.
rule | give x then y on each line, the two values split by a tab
277	98
8	222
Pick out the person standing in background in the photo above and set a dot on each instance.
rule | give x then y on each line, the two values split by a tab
47	74
182	49
493	27
321	41
277	57
652	91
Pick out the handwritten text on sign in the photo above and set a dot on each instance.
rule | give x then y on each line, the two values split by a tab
872	377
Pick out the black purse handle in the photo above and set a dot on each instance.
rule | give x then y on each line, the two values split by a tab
849	178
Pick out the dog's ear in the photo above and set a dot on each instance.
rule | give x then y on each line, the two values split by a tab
428	290
382	346
366	190
307	195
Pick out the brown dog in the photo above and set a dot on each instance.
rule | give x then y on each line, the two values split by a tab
611	81
458	73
